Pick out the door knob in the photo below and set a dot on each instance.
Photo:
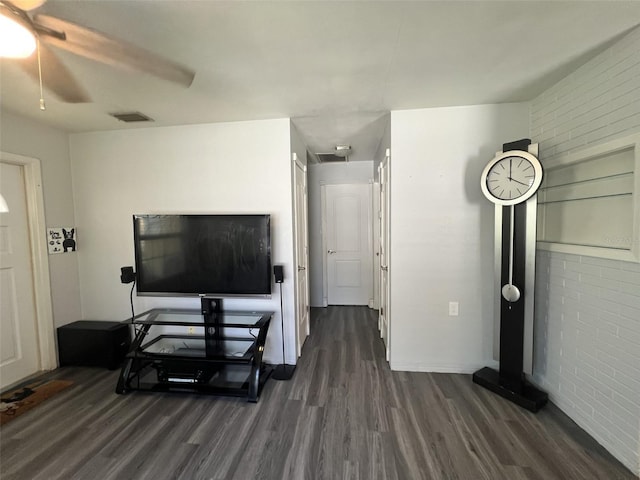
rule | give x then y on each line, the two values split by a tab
384	269
331	252
301	268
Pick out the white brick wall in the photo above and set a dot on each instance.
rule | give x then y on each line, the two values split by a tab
596	103
587	334
587	350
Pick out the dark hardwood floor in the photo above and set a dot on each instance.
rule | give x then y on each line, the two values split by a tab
344	415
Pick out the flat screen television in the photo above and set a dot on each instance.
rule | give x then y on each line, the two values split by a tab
203	255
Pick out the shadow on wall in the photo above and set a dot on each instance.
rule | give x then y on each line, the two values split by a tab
473	193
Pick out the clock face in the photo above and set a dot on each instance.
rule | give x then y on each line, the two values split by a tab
511	178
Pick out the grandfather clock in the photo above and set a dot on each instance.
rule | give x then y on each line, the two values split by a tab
511	180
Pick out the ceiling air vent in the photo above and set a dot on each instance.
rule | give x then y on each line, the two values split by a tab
130	117
329	158
340	154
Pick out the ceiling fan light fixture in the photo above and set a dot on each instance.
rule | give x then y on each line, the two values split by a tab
3	205
16	35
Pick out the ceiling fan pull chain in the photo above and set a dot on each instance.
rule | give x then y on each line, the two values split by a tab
42	105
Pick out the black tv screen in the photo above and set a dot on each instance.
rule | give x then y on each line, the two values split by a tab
204	255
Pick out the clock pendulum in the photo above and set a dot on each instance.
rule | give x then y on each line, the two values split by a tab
510	292
510	180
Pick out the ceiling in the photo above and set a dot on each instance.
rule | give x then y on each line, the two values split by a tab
336	68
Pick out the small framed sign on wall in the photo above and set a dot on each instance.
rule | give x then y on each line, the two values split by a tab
61	239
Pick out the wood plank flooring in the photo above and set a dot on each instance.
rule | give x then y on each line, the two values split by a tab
345	415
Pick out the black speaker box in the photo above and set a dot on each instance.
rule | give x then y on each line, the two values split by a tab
278	273
127	275
93	343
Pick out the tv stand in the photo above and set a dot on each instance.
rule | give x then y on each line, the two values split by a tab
209	306
216	352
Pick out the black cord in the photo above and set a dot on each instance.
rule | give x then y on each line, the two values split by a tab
282	323
133	314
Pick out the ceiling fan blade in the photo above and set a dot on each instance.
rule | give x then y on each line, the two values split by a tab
102	48
55	76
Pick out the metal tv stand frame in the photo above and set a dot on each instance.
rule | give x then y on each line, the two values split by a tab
205	351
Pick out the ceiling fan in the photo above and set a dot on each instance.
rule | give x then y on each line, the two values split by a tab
35	33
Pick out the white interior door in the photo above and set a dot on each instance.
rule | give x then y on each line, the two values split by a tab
384	322
302	255
348	242
19	352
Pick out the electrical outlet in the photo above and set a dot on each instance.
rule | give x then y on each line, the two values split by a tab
453	309
191	330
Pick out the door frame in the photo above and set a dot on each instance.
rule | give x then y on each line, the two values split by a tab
296	163
375	210
385	236
370	214
48	360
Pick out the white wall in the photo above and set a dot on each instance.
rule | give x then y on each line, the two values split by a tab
318	175
442	234
587	332
241	167
298	147
26	137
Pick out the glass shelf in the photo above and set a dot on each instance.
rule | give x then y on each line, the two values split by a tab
180	346
167	316
223	357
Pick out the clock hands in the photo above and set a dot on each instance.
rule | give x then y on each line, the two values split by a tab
521	183
511	179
